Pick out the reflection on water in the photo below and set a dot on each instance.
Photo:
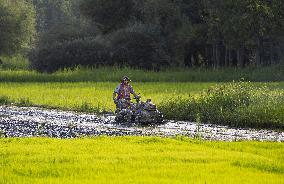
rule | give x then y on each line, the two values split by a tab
32	122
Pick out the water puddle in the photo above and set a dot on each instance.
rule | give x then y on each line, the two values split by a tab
38	122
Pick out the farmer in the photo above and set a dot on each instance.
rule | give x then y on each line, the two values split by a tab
123	91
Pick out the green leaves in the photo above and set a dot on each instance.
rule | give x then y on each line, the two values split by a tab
110	15
17	27
239	104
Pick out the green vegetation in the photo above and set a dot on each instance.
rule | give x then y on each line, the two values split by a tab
14	63
91	44
236	104
148	34
17	28
139	160
89	96
113	74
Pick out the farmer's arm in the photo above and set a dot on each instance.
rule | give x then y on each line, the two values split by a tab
133	92
116	91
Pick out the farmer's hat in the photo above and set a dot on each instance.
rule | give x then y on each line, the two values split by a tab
125	78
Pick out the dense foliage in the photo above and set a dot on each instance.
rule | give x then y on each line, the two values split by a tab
17	26
109	15
236	104
208	33
69	54
211	33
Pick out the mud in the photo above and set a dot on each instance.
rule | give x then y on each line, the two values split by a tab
38	122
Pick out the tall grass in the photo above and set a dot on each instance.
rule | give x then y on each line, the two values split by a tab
139	160
89	96
16	62
112	74
237	104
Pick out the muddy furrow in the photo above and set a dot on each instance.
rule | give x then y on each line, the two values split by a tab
37	122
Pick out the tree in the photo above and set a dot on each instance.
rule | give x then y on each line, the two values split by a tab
110	15
175	29
52	13
195	32
241	27
17	26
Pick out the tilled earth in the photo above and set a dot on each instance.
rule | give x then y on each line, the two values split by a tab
38	122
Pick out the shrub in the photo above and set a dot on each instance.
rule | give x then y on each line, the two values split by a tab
235	104
69	54
16	62
5	100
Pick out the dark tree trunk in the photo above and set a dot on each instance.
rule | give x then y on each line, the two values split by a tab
226	56
218	56
240	56
230	63
188	60
214	55
259	53
272	54
208	53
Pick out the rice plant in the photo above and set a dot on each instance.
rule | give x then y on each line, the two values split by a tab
139	160
113	74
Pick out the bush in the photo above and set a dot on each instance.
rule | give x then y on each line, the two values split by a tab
137	50
5	100
69	54
16	62
236	104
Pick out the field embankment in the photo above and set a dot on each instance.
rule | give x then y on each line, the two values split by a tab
139	160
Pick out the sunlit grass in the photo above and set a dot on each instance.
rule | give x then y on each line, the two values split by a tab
226	104
240	104
113	74
96	95
139	160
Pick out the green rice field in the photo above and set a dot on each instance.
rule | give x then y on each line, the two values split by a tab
97	95
18	73
93	94
139	160
179	101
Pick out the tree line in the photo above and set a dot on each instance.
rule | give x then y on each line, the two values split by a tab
144	33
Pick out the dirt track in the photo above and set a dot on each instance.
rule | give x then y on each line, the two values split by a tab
37	122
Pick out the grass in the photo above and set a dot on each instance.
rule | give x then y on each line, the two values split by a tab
239	104
236	104
89	96
139	160
16	62
112	74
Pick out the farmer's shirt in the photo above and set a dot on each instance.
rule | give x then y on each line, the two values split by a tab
124	91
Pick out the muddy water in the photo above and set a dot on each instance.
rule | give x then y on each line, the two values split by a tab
37	122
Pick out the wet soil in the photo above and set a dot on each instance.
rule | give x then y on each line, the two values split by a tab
38	122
